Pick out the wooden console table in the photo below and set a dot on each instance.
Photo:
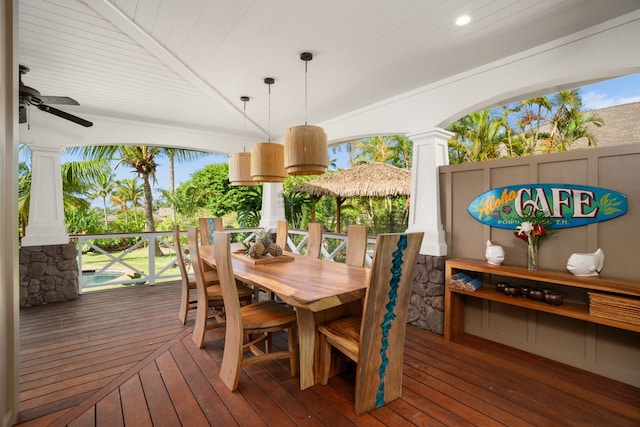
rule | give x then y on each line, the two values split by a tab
454	298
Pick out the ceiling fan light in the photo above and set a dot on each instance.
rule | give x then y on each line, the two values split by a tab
240	169
267	162
305	150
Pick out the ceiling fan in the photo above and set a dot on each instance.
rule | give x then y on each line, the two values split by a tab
30	96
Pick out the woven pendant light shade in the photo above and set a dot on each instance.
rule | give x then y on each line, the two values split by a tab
240	169
305	146
267	162
267	158
240	163
305	150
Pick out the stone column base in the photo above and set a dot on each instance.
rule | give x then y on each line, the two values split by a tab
426	307
48	274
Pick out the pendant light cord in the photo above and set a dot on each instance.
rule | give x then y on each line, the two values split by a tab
306	86
269	81
269	112
244	100
306	57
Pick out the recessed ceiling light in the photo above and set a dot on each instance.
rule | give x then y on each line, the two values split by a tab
463	20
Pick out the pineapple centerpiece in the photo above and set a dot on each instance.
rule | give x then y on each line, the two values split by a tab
262	246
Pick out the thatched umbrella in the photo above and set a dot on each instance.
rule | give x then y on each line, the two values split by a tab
365	180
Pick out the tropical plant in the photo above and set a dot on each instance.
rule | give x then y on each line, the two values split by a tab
83	221
297	208
181	156
249	206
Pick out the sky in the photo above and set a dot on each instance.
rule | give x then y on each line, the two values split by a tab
605	94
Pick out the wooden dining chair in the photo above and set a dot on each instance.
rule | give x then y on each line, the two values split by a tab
356	245
375	339
208	297
207	227
282	234
257	321
187	302
314	240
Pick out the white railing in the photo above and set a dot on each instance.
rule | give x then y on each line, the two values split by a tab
118	271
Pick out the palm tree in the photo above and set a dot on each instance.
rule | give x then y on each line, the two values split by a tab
401	151
568	123
576	129
543	124
142	159
179	155
478	136
376	149
130	191
102	187
532	123
349	148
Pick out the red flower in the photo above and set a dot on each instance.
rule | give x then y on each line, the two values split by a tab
520	235
538	230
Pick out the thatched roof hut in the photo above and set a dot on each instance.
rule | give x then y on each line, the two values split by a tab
365	180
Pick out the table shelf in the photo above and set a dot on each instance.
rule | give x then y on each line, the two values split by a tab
454	298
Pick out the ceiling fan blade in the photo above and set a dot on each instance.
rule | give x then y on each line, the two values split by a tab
58	100
64	115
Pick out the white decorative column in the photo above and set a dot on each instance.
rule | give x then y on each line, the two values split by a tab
430	150
46	214
272	205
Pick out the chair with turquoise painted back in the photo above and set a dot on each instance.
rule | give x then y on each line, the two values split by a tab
207	227
375	339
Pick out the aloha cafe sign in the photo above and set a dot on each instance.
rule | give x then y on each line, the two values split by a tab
554	205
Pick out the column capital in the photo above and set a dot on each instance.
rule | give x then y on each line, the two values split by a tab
430	150
435	133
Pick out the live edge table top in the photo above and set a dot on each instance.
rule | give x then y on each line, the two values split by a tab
306	282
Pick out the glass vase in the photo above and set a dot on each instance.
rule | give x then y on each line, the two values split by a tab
532	257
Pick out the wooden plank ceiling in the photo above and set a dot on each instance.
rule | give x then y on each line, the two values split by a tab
187	63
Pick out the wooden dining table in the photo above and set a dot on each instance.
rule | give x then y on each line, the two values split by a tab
319	290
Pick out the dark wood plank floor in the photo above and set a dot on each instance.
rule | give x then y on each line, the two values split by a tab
121	358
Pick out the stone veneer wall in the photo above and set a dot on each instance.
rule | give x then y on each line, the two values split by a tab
48	274
426	307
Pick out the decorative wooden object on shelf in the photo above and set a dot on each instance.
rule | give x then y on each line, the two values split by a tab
267	259
454	298
465	282
624	309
